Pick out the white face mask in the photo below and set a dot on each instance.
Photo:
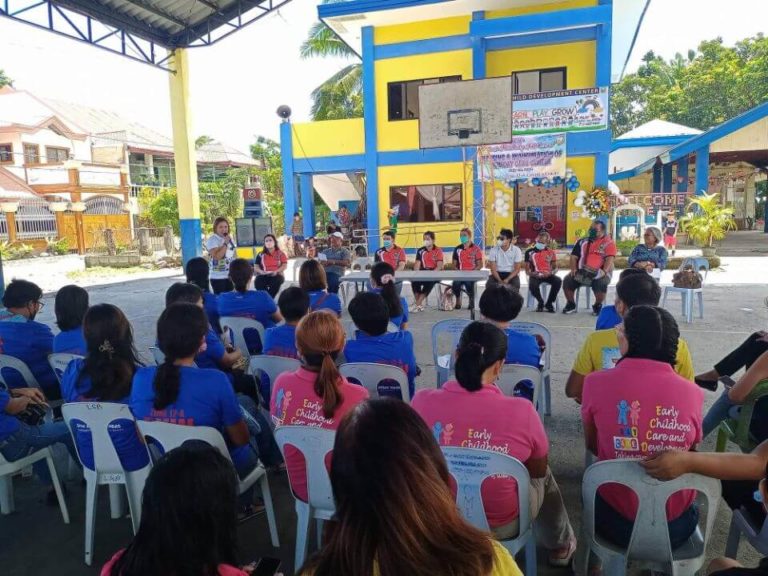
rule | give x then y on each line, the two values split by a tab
500	243
428	242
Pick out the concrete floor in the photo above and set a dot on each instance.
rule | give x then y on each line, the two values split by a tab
34	541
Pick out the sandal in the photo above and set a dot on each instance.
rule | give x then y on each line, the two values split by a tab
561	557
249	511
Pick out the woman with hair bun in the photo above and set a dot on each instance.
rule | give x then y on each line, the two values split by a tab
637	409
383	282
316	394
472	412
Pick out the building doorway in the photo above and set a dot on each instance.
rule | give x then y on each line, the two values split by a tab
538	208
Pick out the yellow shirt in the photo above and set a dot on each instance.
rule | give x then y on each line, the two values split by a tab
601	350
503	563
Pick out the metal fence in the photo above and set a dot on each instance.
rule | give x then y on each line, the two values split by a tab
104	205
145	241
35	220
3	227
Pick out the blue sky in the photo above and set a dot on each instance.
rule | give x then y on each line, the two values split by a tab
237	84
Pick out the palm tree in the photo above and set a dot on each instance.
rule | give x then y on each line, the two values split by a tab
203	140
4	79
341	96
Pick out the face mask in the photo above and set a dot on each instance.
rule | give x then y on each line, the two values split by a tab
500	243
592	233
387	243
464	239
428	243
540	246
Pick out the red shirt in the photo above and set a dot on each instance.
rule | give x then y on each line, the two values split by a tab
593	254
467	258
271	262
393	256
429	258
541	260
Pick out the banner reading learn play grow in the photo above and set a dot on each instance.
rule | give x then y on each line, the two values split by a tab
541	156
560	111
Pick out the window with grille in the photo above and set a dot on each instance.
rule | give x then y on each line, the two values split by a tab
6	154
31	154
532	81
55	155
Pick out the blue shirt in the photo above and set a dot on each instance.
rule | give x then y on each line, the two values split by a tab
608	318
31	342
214	351
70	342
393	348
211	306
657	255
522	349
8	424
329	301
281	341
206	398
129	447
253	304
397	320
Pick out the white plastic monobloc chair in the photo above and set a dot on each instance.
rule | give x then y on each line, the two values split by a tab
10	363
169	436
544	289
107	468
272	367
370	375
535	329
586	291
60	361
512	374
470	467
157	355
444	362
757	536
9	469
238	326
649	544
297	262
314	443
687	295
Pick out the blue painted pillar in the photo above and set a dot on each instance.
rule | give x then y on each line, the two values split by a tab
666	178
307	204
702	170
2	279
478	200
682	172
601	169
371	139
289	178
656	179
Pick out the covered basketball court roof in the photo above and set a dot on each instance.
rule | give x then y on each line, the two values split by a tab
143	30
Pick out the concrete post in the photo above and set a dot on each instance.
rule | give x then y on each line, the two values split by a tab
168	242
145	248
109	242
10	218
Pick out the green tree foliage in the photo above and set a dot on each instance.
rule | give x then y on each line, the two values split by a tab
341	96
203	140
270	174
4	79
705	87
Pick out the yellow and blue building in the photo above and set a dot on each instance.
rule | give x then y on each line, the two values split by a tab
542	45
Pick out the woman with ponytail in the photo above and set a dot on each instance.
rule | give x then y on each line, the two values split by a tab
472	412
180	393
637	409
383	282
316	394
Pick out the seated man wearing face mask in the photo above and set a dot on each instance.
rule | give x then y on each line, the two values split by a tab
541	265
591	267
505	260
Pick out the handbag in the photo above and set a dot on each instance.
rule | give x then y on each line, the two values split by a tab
447	300
585	276
32	415
687	278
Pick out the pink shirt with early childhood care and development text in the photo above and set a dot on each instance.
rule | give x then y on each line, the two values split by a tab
488	420
639	408
223	569
295	402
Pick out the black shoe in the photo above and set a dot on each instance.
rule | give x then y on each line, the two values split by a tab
710	385
596	309
570	308
540	307
471	305
458	304
549	308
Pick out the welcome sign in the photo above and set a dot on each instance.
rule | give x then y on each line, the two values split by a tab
560	111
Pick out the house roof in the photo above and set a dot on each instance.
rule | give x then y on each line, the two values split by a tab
658	128
14	188
20	110
348	18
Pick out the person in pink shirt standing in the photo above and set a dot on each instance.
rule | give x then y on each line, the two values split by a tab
638	409
188	518
471	412
316	394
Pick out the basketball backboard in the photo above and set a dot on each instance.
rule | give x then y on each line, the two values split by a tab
468	113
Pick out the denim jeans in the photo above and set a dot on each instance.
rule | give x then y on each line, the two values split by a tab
721	410
263	440
29	439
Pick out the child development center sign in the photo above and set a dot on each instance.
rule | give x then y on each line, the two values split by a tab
526	157
560	111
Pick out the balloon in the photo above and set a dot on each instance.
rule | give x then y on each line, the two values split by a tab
545	183
557	180
505	214
507	197
582	194
522	180
506	206
498	193
579	201
536	181
511	183
576	183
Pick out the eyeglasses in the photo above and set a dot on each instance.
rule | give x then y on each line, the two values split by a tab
40	304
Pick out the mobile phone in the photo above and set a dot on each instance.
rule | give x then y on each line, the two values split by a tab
727	381
266	567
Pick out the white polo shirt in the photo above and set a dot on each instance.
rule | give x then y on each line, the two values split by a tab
505	260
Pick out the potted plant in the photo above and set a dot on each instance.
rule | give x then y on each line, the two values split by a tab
707	220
